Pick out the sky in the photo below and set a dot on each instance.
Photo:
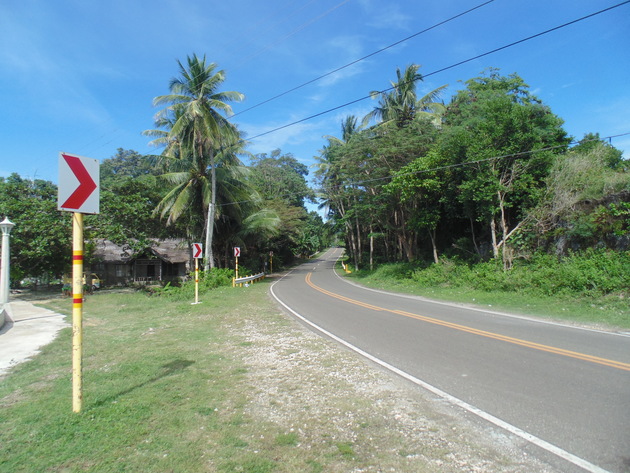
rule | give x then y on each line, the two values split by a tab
80	76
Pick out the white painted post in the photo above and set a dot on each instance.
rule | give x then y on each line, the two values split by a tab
6	227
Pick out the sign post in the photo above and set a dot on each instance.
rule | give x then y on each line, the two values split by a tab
77	311
78	193
197	253
237	253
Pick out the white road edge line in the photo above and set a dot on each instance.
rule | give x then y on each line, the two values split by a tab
569	457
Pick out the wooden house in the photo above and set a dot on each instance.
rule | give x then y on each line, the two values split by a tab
164	260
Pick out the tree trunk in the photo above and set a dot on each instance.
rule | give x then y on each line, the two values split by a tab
506	251
209	263
493	232
436	260
371	250
359	248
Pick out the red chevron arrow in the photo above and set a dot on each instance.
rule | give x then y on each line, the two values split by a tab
86	183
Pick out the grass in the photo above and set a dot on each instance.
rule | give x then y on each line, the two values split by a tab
611	311
167	387
161	393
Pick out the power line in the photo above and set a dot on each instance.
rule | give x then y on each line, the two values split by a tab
292	33
521	155
542	33
363	58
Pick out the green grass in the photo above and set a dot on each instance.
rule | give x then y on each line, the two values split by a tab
572	292
162	392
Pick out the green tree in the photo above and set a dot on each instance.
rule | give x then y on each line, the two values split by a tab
352	176
586	200
400	105
126	164
281	176
420	186
129	195
509	137
197	131
613	157
41	241
281	181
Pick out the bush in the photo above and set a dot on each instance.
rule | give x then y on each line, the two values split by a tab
212	279
592	273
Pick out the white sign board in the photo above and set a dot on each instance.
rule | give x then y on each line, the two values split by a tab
79	186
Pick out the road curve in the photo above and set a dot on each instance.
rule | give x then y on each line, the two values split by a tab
564	389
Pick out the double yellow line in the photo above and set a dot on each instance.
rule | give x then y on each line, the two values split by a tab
482	333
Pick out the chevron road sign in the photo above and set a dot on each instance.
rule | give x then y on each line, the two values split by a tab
78	184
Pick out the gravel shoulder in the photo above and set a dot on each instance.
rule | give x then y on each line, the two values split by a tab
324	395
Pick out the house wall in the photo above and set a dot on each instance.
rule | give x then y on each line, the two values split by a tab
141	271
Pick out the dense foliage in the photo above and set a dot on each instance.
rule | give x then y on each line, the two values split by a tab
490	177
40	237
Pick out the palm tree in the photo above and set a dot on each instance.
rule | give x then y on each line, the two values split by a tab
400	104
197	132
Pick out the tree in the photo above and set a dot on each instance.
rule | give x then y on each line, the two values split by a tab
420	186
400	105
196	133
126	164
41	241
281	176
613	157
509	137
281	181
352	176
586	202
129	195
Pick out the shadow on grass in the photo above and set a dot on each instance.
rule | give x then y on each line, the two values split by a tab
168	369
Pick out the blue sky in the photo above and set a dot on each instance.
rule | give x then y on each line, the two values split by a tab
79	76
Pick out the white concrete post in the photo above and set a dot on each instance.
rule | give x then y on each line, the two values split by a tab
6	227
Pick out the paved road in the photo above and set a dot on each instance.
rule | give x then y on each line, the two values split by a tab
565	389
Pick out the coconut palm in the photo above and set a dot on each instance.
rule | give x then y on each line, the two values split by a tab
197	132
400	104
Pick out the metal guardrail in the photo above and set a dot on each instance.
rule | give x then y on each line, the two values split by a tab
246	279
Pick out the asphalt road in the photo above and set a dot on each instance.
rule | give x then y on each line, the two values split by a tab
564	389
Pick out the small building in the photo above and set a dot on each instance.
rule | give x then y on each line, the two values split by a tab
164	260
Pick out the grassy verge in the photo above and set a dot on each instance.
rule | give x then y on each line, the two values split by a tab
489	288
229	385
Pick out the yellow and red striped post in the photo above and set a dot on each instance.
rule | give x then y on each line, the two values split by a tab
196	281
77	310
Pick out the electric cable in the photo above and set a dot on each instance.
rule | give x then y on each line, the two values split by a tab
521	154
282	94
487	53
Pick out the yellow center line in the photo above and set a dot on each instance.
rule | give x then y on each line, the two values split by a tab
516	341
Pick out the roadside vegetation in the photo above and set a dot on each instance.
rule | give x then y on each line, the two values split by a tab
592	287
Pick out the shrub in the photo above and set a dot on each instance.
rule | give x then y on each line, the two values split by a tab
212	279
594	272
